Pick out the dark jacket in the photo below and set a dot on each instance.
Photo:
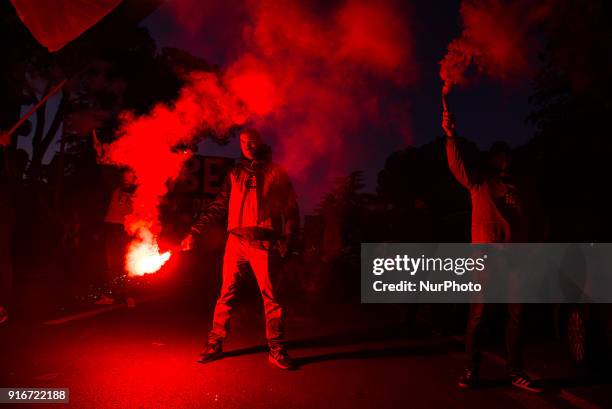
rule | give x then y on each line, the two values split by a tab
277	207
499	206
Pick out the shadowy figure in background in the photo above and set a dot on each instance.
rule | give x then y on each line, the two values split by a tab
261	207
499	215
12	167
116	241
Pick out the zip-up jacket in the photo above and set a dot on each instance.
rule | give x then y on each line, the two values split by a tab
256	196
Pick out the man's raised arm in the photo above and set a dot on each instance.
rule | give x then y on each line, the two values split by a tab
455	154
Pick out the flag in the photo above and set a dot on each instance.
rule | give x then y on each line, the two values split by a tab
55	23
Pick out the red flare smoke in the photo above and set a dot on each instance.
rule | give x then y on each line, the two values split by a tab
497	38
312	75
309	78
145	146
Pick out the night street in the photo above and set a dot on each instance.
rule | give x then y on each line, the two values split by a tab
145	357
305	204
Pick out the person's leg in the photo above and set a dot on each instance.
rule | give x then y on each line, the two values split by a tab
514	351
469	378
234	256
265	264
473	335
514	339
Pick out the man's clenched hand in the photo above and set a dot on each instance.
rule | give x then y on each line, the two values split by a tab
187	243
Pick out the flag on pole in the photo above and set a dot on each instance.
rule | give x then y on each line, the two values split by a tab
55	23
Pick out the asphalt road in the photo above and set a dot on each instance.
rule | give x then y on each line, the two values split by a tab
145	357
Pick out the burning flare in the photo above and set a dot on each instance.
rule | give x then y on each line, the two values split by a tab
143	256
145	146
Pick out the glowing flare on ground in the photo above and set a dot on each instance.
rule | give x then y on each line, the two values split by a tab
143	257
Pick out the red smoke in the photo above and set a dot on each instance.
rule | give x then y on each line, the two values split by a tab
306	76
314	75
311	73
497	38
145	145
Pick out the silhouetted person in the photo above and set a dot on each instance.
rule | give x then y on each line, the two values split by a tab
117	240
498	216
262	213
12	166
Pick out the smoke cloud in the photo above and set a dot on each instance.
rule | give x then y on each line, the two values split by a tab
312	76
307	76
146	145
498	38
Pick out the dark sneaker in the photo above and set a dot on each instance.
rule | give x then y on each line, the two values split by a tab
280	358
522	381
468	379
212	352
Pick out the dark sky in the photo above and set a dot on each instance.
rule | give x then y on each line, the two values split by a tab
485	111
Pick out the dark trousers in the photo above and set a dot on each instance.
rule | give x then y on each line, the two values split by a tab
473	337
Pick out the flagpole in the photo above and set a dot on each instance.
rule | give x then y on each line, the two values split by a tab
5	136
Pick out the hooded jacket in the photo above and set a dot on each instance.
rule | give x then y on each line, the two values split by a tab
270	209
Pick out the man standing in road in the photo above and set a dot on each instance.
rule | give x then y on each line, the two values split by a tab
260	205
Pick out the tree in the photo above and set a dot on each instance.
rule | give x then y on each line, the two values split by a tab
424	200
570	153
338	209
30	72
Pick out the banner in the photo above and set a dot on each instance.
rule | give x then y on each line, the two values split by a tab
55	23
